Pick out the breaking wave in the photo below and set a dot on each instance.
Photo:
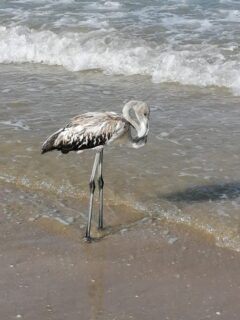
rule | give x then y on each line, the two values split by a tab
113	53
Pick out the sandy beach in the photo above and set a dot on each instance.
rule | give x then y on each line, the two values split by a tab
149	271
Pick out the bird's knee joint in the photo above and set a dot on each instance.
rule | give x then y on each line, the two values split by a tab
92	186
100	182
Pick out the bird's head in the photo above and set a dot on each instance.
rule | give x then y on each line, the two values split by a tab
142	112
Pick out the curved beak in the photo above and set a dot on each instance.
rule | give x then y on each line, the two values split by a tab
144	129
142	132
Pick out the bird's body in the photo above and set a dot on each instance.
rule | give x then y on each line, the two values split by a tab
95	130
92	130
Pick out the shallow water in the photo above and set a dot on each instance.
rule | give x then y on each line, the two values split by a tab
62	58
188	171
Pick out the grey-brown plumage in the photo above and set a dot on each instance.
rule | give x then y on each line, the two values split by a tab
94	130
87	131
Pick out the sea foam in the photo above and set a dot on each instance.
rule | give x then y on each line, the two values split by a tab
113	53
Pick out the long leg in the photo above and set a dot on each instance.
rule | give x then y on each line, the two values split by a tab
92	189
100	186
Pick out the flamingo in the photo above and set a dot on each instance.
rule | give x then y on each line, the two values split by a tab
95	130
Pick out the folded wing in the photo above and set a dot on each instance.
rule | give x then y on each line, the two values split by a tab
87	131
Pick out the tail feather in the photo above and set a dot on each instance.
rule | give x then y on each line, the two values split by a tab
48	145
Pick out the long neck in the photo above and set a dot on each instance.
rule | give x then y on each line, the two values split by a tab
127	116
136	141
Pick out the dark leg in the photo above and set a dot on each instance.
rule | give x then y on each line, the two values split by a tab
100	186
92	189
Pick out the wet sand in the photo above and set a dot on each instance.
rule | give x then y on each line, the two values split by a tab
150	271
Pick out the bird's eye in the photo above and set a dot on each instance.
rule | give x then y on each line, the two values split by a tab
145	114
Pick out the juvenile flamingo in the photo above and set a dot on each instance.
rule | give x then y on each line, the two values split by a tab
95	130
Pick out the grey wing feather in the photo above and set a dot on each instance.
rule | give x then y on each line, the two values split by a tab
48	145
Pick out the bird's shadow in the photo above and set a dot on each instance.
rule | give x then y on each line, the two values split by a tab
211	192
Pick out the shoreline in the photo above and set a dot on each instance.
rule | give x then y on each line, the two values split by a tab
151	271
39	205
